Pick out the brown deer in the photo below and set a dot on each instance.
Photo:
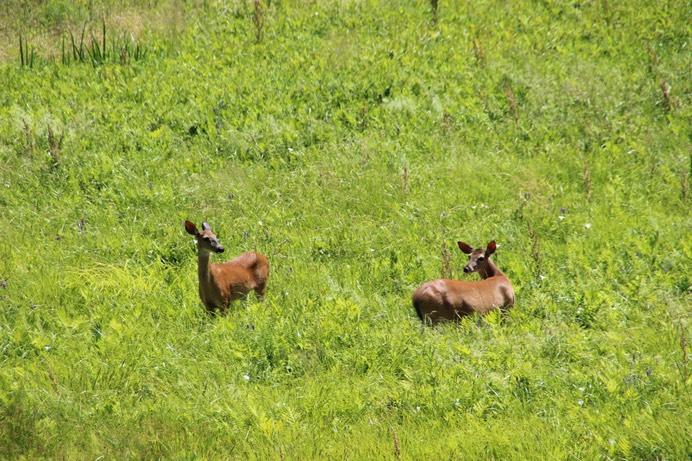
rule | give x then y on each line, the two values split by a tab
220	284
452	299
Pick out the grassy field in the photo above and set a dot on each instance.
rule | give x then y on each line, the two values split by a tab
353	143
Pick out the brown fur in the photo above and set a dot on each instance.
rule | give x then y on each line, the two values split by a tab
220	284
443	299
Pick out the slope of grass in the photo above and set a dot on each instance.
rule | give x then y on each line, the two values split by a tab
353	145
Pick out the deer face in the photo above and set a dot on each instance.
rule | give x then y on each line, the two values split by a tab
206	240
477	258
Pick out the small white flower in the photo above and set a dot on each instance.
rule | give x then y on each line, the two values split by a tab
542	277
259	222
587	225
560	217
48	348
246	377
580	403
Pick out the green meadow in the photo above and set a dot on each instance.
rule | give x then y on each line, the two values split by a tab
353	143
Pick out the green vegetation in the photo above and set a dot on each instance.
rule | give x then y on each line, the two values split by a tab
353	143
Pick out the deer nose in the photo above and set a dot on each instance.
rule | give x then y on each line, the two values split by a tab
467	269
220	249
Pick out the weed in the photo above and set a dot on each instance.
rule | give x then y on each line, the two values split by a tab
536	254
406	178
30	139
79	53
54	145
258	19
667	99
586	179
397	445
478	51
120	49
653	60
434	5
512	102
447	121
447	271
26	55
684	359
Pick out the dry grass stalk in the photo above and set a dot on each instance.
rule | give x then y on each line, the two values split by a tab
447	270
258	14
397	446
587	181
406	178
536	250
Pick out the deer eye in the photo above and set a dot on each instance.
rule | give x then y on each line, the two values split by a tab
481	258
206	239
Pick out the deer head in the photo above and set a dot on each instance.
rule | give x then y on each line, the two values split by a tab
478	259
206	240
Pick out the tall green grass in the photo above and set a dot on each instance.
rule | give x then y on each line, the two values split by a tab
120	49
352	144
26	53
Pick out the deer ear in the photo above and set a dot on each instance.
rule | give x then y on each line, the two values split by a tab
465	247
205	226
190	228
491	248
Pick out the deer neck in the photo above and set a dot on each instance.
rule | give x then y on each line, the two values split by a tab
204	266
489	269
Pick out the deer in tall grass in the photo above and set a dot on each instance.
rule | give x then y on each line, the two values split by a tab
443	299
220	284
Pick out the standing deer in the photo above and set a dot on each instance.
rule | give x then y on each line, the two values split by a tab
220	284
452	299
